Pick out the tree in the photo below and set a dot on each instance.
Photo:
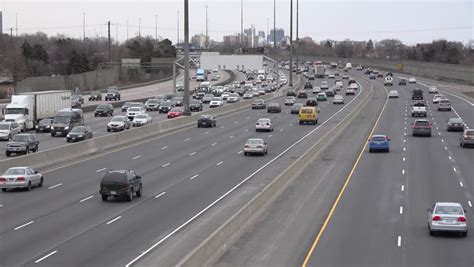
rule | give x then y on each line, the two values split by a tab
328	44
369	46
78	63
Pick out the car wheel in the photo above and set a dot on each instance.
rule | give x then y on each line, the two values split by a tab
464	234
29	187
41	182
104	197
36	148
387	150
370	150
4	190
139	192
7	153
130	195
245	154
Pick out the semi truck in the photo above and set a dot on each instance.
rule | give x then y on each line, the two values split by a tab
28	108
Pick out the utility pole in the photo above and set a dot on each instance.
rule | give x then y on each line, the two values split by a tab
116	34
11	35
297	38
16	24
127	29
177	31
108	35
139	27
274	26
83	26
187	112
290	82
156	28
207	34
267	33
242	24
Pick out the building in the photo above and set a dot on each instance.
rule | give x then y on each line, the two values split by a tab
279	33
232	40
199	40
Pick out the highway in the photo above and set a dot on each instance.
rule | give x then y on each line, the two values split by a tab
380	218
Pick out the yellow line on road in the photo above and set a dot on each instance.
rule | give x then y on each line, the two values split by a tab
348	179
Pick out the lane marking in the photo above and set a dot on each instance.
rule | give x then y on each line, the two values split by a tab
240	152
281	130
404	149
270	136
454	169
246	130
401	209
461	184
449	157
187	139
43	258
247	118
222	126
206	132
85	199
166	164
165	147
194	176
220	163
101	170
404	159
113	220
236	122
54	186
403	171
230	137
402	188
442	140
23	225
469	203
213	144
137	157
191	154
160	195
445	148
399	241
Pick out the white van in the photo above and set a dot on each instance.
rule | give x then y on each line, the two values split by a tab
388	81
348	66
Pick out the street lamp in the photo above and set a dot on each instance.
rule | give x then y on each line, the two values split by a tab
187	112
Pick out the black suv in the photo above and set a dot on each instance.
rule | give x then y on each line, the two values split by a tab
291	93
120	183
308	85
112	94
104	110
417	94
95	96
302	94
22	144
207	121
195	105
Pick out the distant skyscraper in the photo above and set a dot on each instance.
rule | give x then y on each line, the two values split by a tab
1	23
280	35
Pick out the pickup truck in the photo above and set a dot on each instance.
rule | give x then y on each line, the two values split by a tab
418	109
22	144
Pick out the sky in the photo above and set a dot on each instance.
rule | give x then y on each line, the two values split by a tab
409	21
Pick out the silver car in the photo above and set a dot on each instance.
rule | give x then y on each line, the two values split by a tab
8	129
20	177
467	138
255	146
290	100
447	217
444	104
264	124
338	99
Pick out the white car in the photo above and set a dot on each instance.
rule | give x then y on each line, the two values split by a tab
255	146
8	129
133	111
248	95
142	119
255	92
331	76
233	98
437	98
324	85
290	100
339	83
354	86
316	90
338	99
152	104
283	81
447	217
412	80
393	94
118	123
216	102
264	124
350	91
433	90
20	177
225	96
345	77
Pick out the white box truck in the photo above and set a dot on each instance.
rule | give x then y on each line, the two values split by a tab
28	108
319	71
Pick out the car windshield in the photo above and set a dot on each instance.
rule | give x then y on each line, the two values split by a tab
306	110
422	123
195	102
102	107
378	138
175	110
141	116
448	210
455	120
4	126
153	101
165	103
117	119
134	109
62	119
471	132
45	122
127	104
79	129
114	178
255	141
216	99
20	138
263	121
15	171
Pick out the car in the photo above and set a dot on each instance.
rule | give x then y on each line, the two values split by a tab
133	111
372	77
330	93
255	93
432	90
274	107
418	108
379	75
444	104
258	104
225	96
175	112
233	98
311	77
331	76
359	68
350	91
308	115
421	127
447	217
393	94
389	74
417	94
467	138
95	96
195	105
354	86
255	146
388	81
20	177
302	94
290	100
22	144
321	97
118	123
412	80
437	98
142	119
152	104
8	129
207	121
264	124
379	142
345	77
104	110
125	106
207	98
295	109
339	84
351	81
179	86
367	72
324	85
316	90
311	102
308	85
338	99
455	125
402	82
118	183
248	95
375	71
79	133
44	125
165	106
291	93
216	102
112	94
77	98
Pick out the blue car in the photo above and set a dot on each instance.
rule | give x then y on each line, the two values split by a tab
379	142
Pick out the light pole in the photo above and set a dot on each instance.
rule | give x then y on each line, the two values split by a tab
242	24
297	38
187	112
177	25
83	26
139	27
156	28
274	26
290	82
207	31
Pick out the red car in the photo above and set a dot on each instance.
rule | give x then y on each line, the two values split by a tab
175	112
380	75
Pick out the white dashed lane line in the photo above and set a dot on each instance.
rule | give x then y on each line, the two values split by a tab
469	203
113	220
240	152
219	163
230	137
206	132
187	139
137	157
401	209
193	177
54	186
213	144
402	188
165	165
191	154
23	225
165	147
461	184
85	199
160	194
101	170
44	257
399	241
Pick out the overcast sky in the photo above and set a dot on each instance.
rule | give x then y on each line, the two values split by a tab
409	21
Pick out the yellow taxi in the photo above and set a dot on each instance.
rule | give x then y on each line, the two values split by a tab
308	115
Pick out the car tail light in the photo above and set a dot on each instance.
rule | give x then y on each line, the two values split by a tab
247	146
21	178
461	219
268	124
259	146
3	179
436	218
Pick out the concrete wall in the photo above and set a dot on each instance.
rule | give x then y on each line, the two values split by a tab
230	62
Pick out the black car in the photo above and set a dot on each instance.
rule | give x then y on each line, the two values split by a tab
308	85
367	71
302	94
178	100
125	106
311	77
351	81
44	125
104	110
120	183
312	102
79	133
195	105
78	98
207	121
330	93
95	96
273	107
402	82
295	109
22	144
291	93
112	94
165	106
417	94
